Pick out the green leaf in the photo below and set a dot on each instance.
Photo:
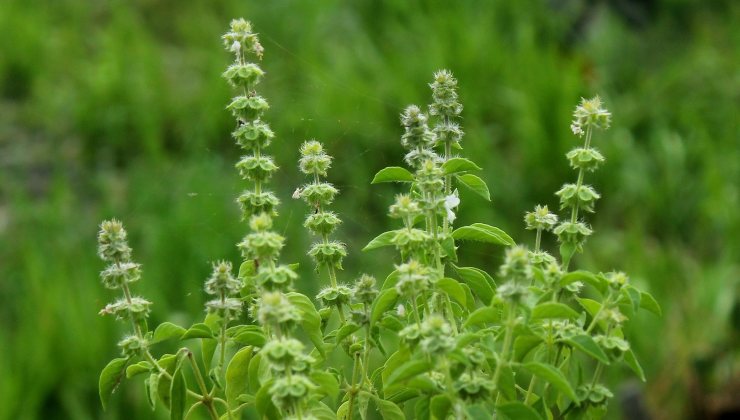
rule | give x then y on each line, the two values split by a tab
439	407
110	377
388	410
138	368
237	374
648	302
390	281
151	386
486	314
553	376
477	412
198	331
321	411
586	344
263	402
393	174
247	269
479	281
166	331
517	411
551	310
407	370
178	391
525	344
457	164
631	361
482	233
346	331
248	335
453	288
398	358
327	382
507	383
384	239
586	277
383	302
590	305
311	322
476	184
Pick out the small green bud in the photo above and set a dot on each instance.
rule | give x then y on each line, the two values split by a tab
594	395
541	258
328	254
253	135
474	388
586	159
444	95
261	245
137	309
112	244
252	203
279	278
589	113
287	392
516	264
243	76
583	197
256	168
410	334
133	345
430	178
240	39
227	309
118	274
540	218
409	241
573	233
313	159
317	195
365	290
437	335
413	278
274	308
248	108
614	345
334	296
222	281
617	280
322	223
404	208
512	292
282	352
448	133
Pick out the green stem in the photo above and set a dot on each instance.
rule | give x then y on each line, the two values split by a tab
504	359
206	398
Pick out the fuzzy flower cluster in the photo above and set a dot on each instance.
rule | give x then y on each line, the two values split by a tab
120	273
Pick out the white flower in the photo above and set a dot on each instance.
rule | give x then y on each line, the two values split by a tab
576	128
401	310
297	193
451	202
235	47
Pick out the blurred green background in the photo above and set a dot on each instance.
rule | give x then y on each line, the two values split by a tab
116	109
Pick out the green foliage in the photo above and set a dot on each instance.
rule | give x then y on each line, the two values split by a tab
134	96
451	351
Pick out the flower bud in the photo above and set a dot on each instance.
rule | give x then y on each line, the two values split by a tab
416	132
136	309
328	254
437	335
313	159
253	203
227	309
287	392
118	274
112	244
540	218
256	168
573	233
133	345
404	208
587	159
275	309
322	223
617	280
444	95
248	108
222	281
583	197
261	245
243	76
317	195
589	113
413	278
253	135
241	39
334	296
280	278
474	388
365	290
516	264
282	352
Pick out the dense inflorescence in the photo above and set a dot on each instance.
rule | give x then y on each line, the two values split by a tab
434	340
